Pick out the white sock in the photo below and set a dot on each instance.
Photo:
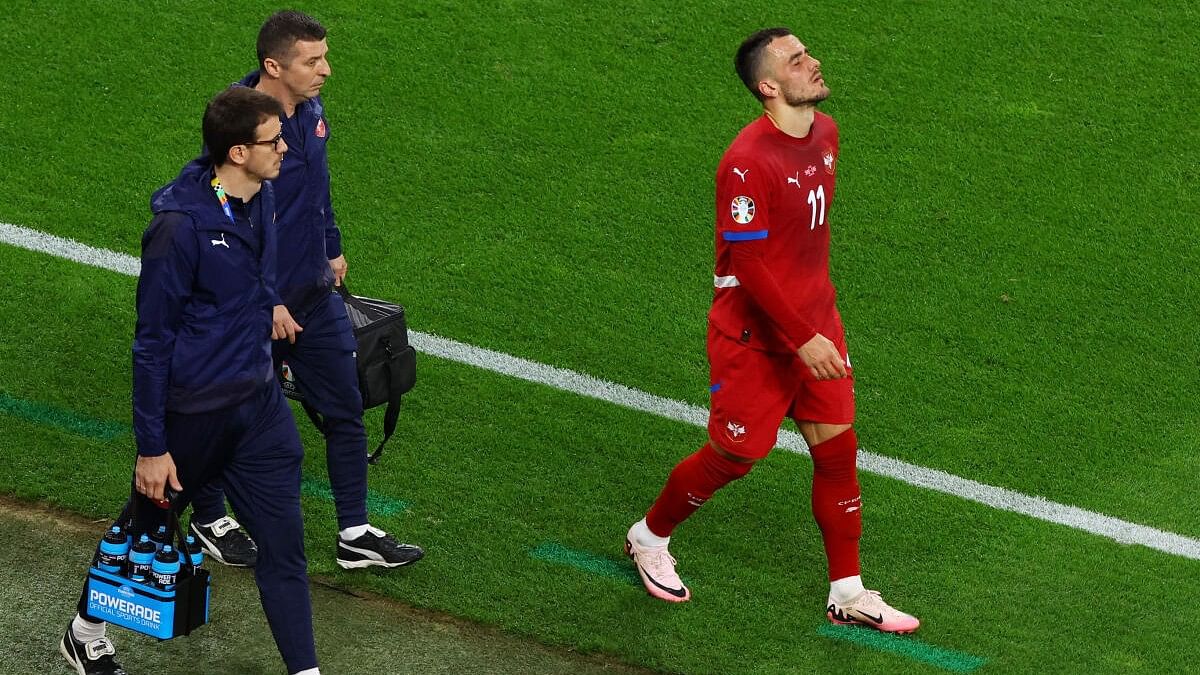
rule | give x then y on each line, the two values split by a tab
85	631
641	532
354	532
313	671
845	589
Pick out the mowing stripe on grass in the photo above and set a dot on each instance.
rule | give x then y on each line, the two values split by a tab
63	419
909	647
553	552
377	504
585	385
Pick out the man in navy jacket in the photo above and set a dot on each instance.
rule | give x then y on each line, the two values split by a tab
315	337
205	402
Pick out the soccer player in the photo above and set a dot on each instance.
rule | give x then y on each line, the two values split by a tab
313	334
776	346
205	400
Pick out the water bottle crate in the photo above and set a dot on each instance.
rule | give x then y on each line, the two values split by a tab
163	613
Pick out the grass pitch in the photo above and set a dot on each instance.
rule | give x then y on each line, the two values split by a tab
1011	244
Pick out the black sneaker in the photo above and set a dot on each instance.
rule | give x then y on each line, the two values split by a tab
93	658
225	542
376	547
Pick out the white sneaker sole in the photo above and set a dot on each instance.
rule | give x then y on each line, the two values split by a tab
359	564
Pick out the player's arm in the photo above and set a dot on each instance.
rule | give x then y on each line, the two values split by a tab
815	350
169	256
743	222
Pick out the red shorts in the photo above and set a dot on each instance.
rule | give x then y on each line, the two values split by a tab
752	391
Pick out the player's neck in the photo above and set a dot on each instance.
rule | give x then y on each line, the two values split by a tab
796	122
276	90
236	182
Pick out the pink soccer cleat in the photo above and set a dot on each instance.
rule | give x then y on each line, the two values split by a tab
869	609
656	567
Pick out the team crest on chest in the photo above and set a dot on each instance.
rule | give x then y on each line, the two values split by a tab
742	209
827	157
320	132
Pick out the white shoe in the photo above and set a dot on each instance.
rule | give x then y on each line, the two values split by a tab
869	609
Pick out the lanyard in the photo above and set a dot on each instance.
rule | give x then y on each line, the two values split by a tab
220	191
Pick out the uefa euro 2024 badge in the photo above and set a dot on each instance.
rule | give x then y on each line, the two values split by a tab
742	209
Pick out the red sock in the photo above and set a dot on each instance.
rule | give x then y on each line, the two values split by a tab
837	502
690	484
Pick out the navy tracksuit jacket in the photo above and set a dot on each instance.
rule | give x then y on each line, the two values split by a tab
203	386
323	357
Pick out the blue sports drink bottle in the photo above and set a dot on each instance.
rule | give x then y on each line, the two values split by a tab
166	567
195	553
160	537
114	550
141	558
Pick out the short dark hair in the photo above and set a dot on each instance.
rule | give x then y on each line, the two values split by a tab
281	31
232	117
749	57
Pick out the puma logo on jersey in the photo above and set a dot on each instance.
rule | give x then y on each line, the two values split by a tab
741	174
794	180
220	242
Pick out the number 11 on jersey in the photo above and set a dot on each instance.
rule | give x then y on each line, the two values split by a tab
815	196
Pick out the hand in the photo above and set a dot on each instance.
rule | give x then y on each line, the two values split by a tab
284	325
153	474
338	265
822	358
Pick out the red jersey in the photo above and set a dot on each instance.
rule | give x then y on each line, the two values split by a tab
774	194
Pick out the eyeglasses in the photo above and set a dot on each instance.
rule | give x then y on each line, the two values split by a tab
273	142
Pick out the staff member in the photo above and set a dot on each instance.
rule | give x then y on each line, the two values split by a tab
205	403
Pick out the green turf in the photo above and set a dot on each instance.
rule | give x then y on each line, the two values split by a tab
1012	246
485	485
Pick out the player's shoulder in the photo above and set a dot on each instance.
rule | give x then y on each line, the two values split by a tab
749	145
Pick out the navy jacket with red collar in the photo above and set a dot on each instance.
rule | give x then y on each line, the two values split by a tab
204	303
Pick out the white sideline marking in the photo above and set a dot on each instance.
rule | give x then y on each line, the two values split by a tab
585	385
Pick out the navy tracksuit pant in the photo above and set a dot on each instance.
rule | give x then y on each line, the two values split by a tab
322	360
253	448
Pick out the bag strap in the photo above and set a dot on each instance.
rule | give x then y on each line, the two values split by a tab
350	299
389	423
393	408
